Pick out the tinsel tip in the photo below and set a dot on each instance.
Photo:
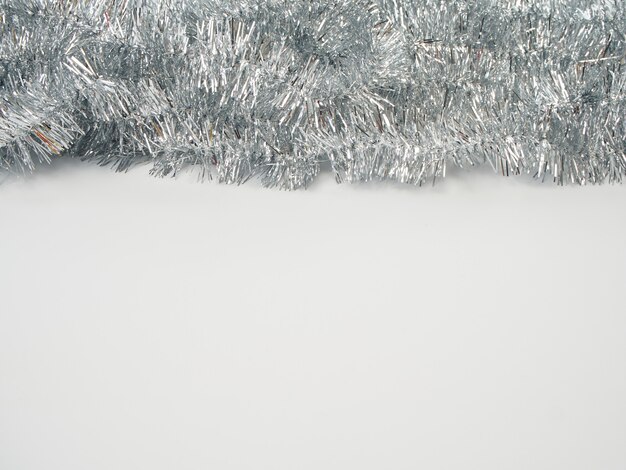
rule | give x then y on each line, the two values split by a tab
372	89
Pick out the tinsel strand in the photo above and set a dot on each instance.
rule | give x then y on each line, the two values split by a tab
397	90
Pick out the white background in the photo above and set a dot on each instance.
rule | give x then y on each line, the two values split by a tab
168	324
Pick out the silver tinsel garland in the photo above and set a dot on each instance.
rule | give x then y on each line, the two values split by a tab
276	89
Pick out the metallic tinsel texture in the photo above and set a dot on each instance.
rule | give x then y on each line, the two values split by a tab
397	90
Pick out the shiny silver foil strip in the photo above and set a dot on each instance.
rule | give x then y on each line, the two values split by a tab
399	90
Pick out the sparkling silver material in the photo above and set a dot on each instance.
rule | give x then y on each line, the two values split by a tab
372	89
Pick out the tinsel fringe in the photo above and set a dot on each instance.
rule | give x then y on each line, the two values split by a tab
374	89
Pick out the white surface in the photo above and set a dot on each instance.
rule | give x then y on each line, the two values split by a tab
160	324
